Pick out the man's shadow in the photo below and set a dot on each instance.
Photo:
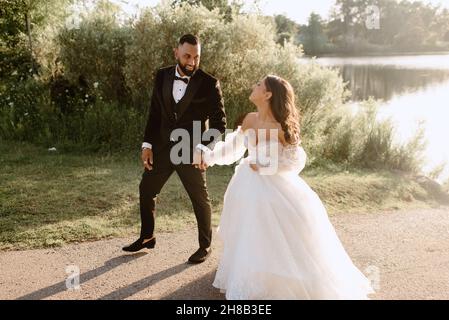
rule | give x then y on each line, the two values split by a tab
200	289
195	290
84	277
140	285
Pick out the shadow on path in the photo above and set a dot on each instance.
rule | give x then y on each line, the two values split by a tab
144	283
84	277
200	289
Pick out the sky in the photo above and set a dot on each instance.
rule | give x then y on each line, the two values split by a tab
297	10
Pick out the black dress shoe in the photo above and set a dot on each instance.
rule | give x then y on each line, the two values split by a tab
200	255
139	245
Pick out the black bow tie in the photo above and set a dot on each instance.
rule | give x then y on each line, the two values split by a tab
186	81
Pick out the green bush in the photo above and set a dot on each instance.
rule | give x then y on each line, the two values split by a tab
363	140
28	114
112	127
20	110
103	126
95	51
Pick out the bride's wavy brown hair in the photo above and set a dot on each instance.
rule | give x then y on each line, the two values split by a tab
282	103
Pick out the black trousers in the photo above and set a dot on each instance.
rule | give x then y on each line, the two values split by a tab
193	180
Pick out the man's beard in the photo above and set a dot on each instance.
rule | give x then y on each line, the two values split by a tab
187	72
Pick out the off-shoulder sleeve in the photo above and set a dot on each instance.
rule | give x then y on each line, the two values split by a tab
226	152
293	159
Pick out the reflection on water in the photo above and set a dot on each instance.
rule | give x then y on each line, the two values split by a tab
434	61
432	106
412	88
383	82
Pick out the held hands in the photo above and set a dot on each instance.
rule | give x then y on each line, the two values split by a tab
198	160
147	158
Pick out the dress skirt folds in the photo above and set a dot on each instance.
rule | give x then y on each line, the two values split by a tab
278	242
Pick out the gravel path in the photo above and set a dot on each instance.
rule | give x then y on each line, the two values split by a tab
408	250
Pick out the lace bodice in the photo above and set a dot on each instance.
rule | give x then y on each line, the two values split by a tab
270	156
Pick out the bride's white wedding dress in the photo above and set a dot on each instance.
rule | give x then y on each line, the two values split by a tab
278	242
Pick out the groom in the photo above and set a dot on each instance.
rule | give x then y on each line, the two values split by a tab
182	94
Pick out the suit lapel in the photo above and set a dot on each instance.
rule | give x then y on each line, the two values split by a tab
192	88
169	78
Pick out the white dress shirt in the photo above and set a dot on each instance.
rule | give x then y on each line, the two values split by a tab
179	90
179	87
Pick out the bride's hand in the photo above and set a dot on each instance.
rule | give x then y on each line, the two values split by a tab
253	166
203	166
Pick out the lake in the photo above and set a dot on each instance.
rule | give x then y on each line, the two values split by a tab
412	88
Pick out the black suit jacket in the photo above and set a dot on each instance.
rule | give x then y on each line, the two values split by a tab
202	101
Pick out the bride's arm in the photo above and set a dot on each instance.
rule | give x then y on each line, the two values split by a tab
293	159
225	152
232	148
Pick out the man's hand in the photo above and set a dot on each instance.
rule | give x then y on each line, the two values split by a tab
198	160
203	166
147	158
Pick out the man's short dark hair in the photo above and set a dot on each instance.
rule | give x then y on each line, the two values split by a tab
190	39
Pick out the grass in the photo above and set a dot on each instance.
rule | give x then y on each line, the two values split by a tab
368	191
48	199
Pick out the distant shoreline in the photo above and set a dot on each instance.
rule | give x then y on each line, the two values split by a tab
379	54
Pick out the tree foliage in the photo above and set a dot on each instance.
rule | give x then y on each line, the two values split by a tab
403	26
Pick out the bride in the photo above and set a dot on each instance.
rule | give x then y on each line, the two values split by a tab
278	242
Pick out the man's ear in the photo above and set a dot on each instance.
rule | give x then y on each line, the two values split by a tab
175	52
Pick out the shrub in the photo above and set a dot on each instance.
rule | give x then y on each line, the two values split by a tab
20	112
95	51
363	140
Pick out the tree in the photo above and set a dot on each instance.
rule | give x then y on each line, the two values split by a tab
404	25
286	29
348	17
312	36
95	52
224	6
23	20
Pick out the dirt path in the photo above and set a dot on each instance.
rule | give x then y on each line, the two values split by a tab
409	249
